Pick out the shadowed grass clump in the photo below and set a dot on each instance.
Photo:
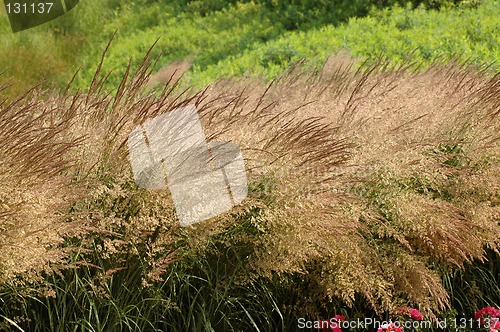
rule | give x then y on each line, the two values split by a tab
365	185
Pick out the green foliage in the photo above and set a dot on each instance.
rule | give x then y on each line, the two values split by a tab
398	33
255	37
53	51
476	286
227	38
90	298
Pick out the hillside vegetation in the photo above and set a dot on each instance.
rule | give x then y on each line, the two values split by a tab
249	38
227	38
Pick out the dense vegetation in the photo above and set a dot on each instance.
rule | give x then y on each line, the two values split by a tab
373	175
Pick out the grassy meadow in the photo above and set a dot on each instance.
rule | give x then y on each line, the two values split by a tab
370	133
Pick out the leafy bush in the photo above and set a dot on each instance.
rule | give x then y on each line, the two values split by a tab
398	34
227	38
249	37
365	185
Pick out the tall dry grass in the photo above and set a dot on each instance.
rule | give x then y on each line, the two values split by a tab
360	180
377	175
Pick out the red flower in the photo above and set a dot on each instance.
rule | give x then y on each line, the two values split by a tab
338	329
410	312
490	312
339	318
494	326
327	324
415	314
333	325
